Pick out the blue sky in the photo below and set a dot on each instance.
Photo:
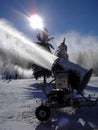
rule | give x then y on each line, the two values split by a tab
76	20
60	16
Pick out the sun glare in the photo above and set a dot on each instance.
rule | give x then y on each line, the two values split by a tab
36	21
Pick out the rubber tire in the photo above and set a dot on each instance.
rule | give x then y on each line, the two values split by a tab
42	110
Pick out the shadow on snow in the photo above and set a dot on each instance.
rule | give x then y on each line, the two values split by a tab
34	91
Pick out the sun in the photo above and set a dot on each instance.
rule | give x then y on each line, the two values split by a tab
36	21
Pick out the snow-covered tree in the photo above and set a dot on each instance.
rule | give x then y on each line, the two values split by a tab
62	50
80	59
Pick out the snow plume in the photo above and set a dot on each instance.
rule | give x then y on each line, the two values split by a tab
80	46
26	73
16	49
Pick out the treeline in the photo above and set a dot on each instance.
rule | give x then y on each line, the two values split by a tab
88	59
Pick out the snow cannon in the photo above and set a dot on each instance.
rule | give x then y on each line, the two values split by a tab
78	77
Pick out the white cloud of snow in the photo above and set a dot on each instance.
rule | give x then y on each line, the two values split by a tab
17	49
76	43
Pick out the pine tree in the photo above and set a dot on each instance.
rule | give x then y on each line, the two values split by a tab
43	41
80	59
62	50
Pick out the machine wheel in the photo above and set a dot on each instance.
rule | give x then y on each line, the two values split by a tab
42	113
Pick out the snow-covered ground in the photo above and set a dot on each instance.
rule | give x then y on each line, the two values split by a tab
18	104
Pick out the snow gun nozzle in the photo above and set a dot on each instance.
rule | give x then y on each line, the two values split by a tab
78	77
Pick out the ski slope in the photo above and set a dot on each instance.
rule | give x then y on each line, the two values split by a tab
19	99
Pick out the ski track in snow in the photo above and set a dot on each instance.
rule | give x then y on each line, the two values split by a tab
18	105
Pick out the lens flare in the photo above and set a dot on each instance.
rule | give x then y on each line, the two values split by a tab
36	21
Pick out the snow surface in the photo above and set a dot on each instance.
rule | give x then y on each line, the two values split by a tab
20	98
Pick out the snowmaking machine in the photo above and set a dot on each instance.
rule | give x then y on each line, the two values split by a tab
70	80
